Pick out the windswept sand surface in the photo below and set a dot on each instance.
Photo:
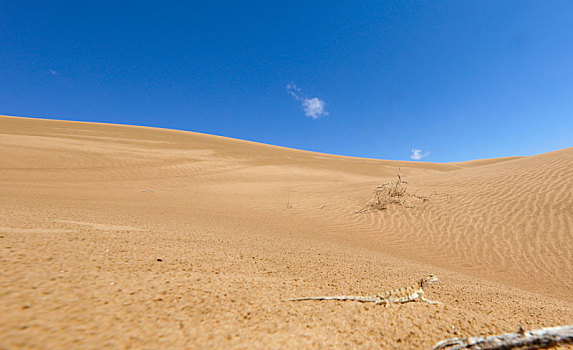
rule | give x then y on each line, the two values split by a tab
131	237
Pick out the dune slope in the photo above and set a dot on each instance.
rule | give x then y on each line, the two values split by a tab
120	236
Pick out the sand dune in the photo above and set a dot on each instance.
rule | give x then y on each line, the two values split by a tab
122	236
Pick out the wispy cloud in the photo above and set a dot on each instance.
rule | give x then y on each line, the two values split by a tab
294	91
417	154
53	72
313	107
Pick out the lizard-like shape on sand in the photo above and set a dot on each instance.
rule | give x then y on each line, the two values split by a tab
399	295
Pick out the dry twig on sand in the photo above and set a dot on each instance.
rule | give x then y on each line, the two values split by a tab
535	339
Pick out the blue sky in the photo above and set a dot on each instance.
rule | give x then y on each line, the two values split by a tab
455	80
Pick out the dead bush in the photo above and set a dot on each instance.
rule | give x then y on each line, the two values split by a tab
393	193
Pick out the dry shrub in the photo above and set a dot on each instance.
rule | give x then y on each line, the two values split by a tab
393	193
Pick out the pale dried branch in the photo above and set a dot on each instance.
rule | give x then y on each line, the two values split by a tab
534	339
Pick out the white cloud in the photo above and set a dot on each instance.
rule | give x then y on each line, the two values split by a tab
313	107
417	154
53	72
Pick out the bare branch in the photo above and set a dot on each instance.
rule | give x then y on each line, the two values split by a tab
535	339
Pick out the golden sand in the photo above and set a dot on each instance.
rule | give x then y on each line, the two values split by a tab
132	237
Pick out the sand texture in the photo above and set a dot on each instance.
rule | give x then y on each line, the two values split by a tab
132	237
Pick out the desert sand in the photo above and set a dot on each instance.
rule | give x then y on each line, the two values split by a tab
118	236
